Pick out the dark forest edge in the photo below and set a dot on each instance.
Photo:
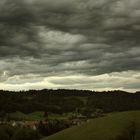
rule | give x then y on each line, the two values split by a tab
61	101
58	91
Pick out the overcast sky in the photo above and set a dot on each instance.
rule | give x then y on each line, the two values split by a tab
78	44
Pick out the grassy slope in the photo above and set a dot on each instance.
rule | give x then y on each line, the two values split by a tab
99	129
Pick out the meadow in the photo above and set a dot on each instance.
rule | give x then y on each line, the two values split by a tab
104	128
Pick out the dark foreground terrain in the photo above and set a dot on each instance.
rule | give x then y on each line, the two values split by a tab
81	114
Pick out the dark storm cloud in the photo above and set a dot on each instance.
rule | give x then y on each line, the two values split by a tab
78	36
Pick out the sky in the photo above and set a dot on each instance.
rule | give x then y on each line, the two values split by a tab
70	44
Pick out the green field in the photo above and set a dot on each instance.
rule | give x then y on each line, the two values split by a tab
99	129
39	115
32	116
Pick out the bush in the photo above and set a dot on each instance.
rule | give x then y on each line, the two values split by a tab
25	134
6	132
3	135
52	127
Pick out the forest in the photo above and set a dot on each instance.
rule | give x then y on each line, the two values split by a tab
61	101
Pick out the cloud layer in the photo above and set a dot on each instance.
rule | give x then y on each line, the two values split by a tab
48	38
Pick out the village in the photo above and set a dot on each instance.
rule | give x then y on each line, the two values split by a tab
75	119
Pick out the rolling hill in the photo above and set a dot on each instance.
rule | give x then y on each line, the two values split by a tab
99	129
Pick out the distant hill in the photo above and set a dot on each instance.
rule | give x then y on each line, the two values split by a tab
64	101
99	129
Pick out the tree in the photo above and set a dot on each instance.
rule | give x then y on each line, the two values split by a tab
129	133
132	131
